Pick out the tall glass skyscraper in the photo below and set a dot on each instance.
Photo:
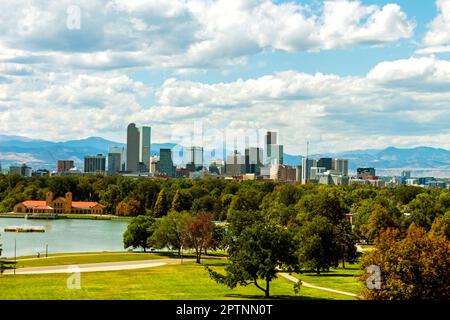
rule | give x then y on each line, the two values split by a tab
274	151
145	146
132	148
138	148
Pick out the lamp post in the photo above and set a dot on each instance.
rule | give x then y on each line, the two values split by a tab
15	254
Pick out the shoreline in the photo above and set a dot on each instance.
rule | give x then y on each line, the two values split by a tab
69	216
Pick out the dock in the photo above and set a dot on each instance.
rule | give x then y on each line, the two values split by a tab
24	229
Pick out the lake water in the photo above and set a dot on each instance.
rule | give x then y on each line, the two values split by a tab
62	235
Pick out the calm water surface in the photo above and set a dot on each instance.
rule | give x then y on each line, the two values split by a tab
62	235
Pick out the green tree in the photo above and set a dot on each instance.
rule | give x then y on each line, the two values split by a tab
415	267
5	264
138	232
176	202
379	219
423	210
346	240
441	226
161	206
170	231
260	251
318	247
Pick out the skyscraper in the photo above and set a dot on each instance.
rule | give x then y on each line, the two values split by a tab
194	158
363	173
64	165
165	162
253	160
341	165
145	146
274	151
95	164
235	165
326	163
138	148
132	148
307	164
116	160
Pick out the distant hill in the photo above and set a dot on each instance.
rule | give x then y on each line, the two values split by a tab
43	154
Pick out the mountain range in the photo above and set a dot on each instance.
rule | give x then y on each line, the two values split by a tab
43	154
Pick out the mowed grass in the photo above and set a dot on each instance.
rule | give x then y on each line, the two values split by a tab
173	281
81	258
338	279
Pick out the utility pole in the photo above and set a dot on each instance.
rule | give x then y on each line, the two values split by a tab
46	250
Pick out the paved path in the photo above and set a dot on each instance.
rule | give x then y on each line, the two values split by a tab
308	285
43	257
96	267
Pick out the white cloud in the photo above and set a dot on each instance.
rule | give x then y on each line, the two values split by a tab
437	38
439	32
189	34
395	103
423	73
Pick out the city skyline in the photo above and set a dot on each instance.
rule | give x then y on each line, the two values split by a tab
298	69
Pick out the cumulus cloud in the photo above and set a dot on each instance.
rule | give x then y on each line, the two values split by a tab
437	38
395	103
57	83
189	34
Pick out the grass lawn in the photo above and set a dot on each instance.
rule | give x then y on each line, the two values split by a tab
87	257
338	279
178	281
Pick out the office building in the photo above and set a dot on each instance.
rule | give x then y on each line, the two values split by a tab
41	173
314	173
23	170
341	165
138	148
64	165
116	160
166	166
235	165
307	164
154	165
274	151
406	175
332	178
216	166
132	148
194	158
283	173
253	160
144	147
95	164
326	163
298	173
365	173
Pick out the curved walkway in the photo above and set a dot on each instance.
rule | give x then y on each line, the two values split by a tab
96	267
308	285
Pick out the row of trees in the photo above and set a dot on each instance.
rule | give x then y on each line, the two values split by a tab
175	231
372	208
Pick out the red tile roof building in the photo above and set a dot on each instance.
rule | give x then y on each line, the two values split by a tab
59	205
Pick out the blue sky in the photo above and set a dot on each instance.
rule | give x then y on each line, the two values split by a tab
342	74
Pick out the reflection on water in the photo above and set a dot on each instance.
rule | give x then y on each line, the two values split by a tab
62	235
